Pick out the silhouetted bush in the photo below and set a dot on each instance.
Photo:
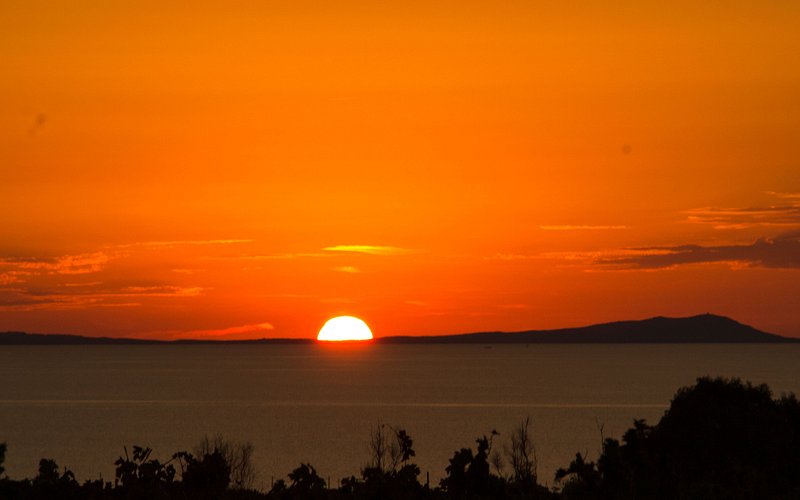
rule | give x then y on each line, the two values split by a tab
49	483
389	474
237	456
719	439
469	476
207	478
521	455
139	476
305	484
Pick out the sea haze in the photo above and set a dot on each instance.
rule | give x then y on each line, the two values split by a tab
81	404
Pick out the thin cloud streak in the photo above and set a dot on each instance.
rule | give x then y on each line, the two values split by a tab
368	249
347	269
173	243
790	196
21	299
230	333
581	228
279	256
514	256
781	252
85	263
786	214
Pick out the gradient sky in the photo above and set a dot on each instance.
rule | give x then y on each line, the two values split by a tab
250	169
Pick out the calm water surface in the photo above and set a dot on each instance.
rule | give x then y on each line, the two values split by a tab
81	404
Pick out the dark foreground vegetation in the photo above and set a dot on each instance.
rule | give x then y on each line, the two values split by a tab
719	439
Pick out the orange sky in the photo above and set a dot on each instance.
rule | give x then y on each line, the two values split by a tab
249	169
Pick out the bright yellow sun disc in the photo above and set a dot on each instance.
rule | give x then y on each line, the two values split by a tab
344	328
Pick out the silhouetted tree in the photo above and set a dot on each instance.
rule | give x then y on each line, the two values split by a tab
384	448
49	483
305	485
719	439
207	478
390	473
469	475
726	439
141	477
238	457
521	456
580	480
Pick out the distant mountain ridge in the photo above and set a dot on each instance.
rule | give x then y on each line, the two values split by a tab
705	328
22	338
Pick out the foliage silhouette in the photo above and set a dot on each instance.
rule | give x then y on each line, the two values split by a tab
140	476
521	456
305	484
390	474
237	456
50	484
719	439
469	476
207	478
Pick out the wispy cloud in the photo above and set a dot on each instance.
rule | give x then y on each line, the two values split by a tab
27	299
368	249
85	263
158	291
267	257
173	243
84	284
186	271
10	277
514	256
514	306
786	214
781	252
228	333
20	300
568	227
347	269
790	196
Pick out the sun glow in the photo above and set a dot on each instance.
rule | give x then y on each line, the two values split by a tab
344	328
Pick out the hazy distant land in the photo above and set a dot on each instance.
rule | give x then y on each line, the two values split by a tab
706	328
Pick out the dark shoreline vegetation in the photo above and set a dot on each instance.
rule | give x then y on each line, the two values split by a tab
719	439
705	328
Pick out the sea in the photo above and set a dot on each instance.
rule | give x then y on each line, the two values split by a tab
83	406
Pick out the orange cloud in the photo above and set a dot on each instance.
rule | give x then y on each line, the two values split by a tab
347	269
174	243
28	299
240	332
580	228
85	263
368	249
785	214
781	252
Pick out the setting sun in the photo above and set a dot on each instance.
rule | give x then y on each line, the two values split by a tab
344	328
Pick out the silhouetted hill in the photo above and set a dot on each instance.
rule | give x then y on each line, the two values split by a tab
706	328
21	338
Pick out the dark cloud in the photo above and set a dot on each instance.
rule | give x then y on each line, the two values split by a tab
781	252
783	214
66	264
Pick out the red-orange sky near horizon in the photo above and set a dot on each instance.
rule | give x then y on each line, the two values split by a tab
251	169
